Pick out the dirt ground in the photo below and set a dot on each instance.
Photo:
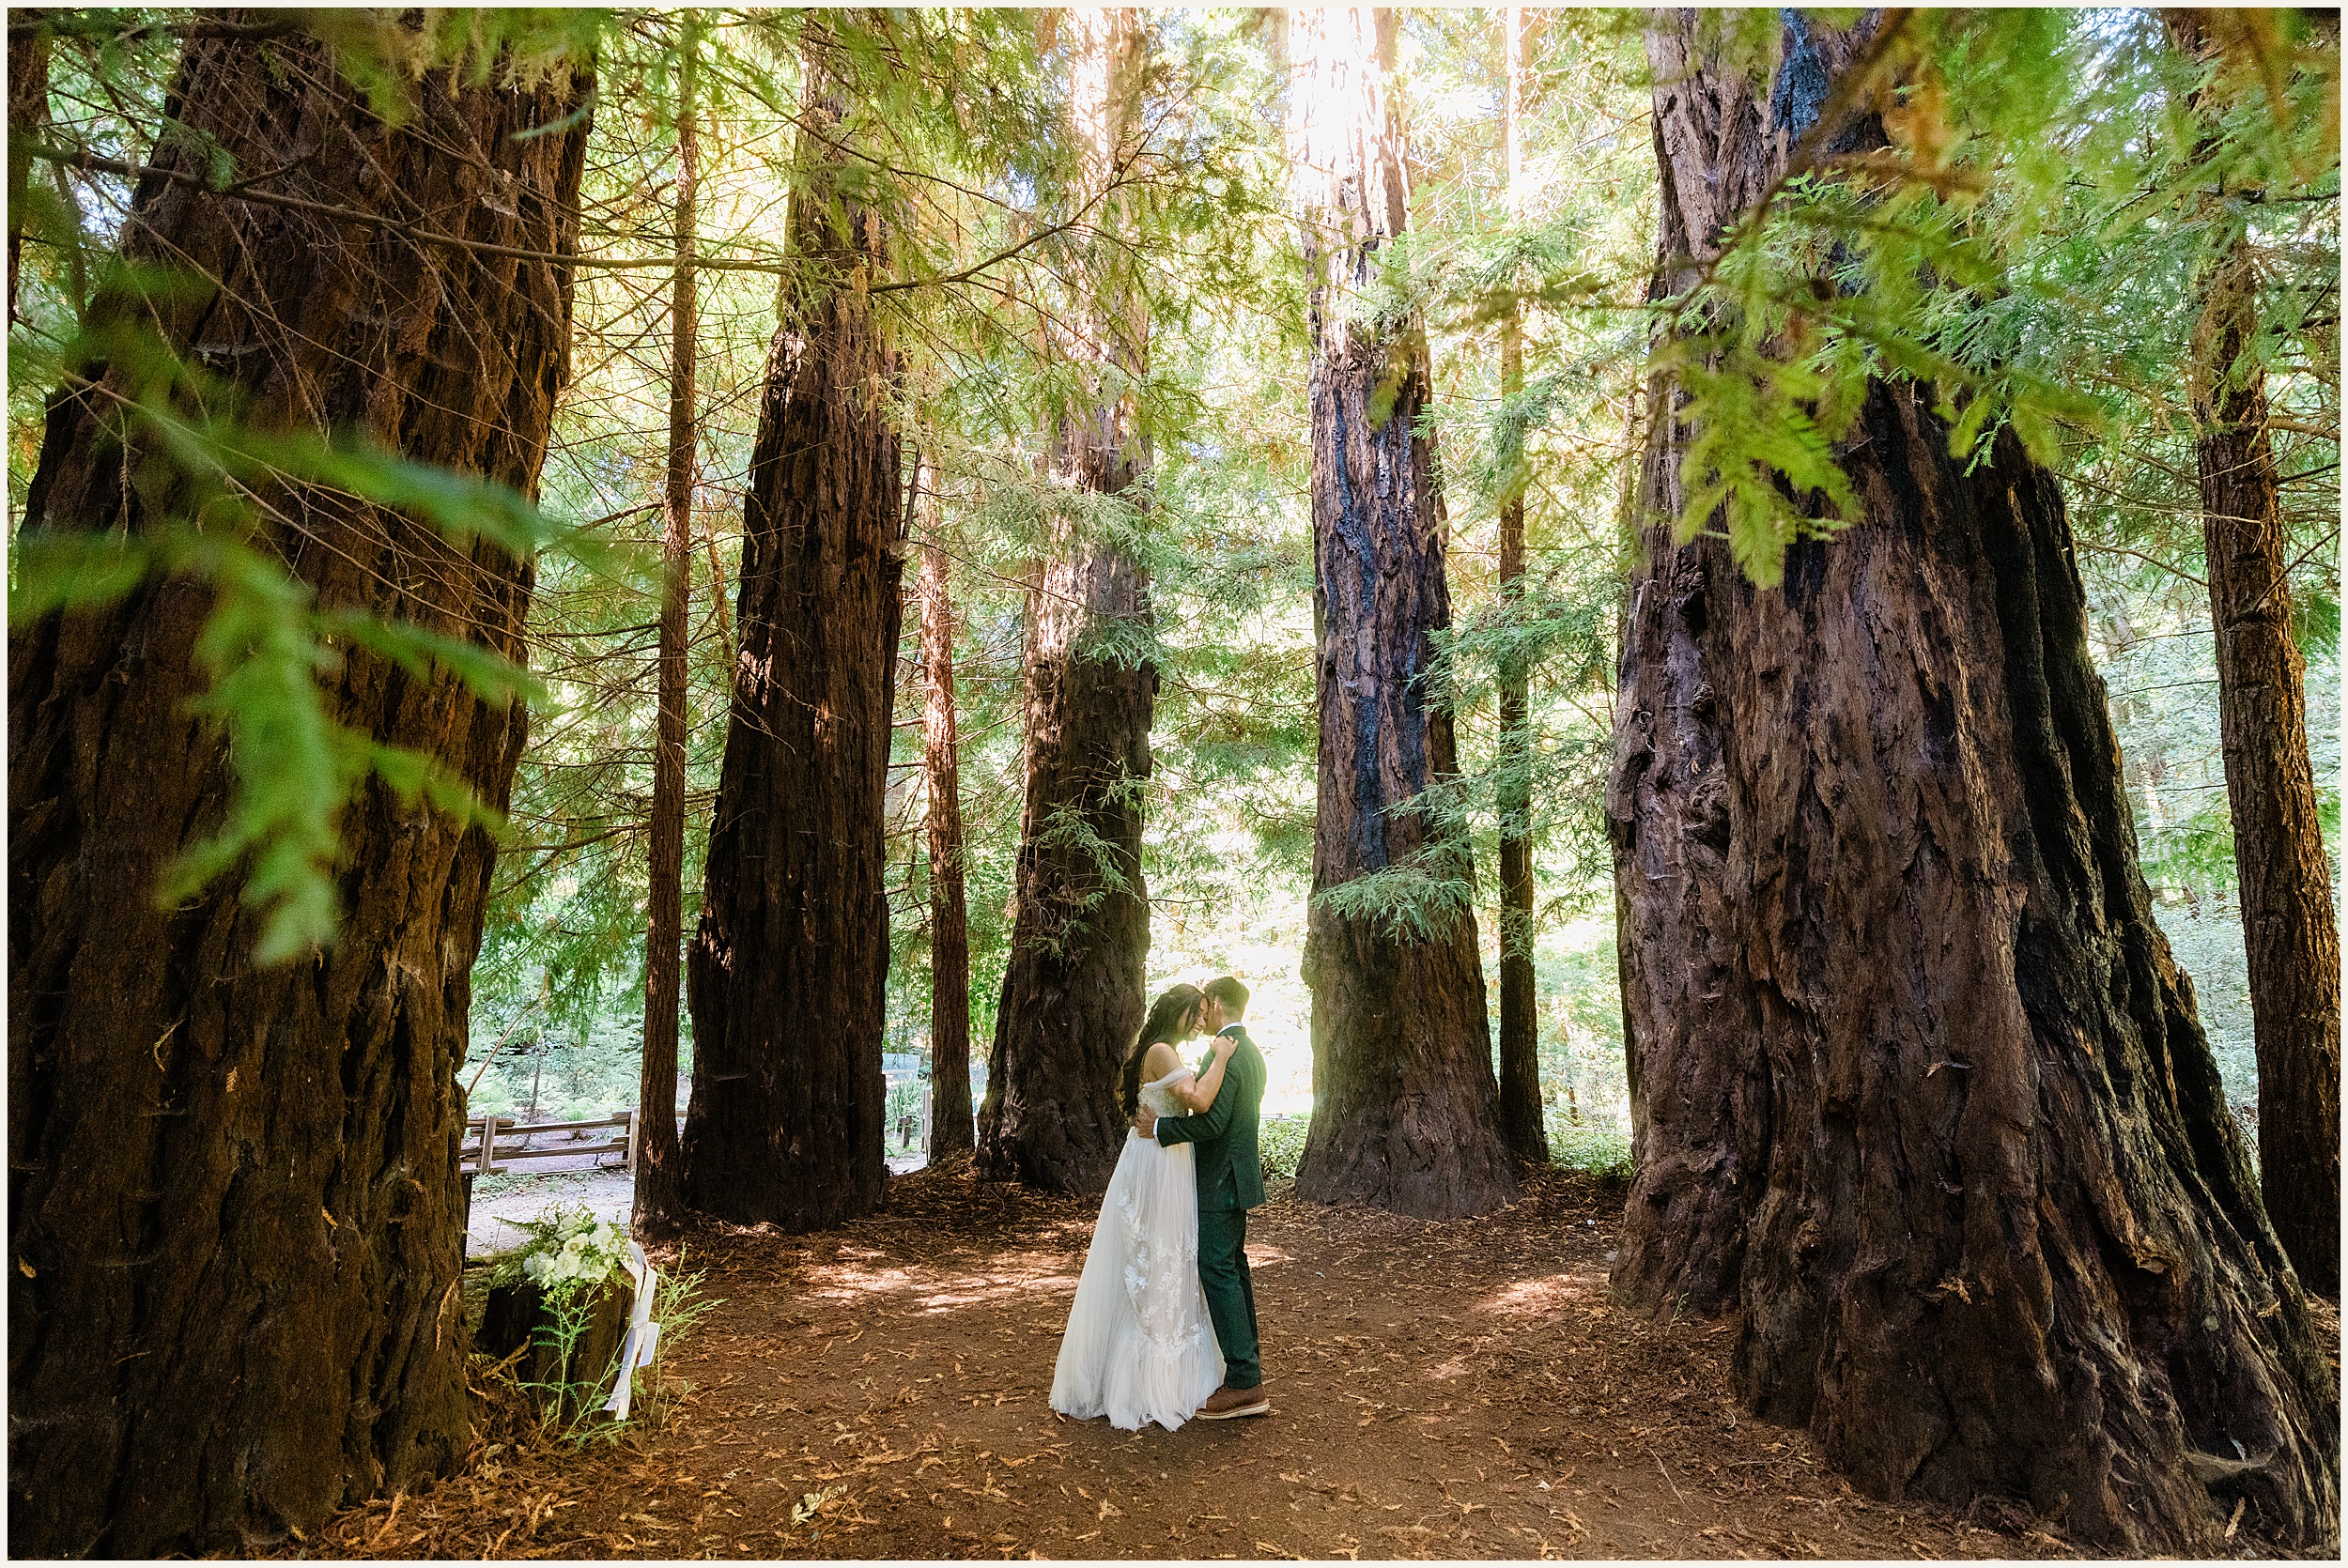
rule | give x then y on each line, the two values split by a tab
1460	1389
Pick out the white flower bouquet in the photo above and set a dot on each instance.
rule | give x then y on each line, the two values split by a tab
571	1248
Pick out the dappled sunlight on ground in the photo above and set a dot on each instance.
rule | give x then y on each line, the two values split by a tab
1460	1390
1538	1298
964	1290
848	1283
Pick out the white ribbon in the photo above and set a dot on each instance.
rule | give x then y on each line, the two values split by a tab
643	1335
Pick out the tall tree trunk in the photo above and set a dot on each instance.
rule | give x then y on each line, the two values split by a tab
1406	1109
28	118
234	1201
949	919
787	971
1519	1020
2287	917
1080	932
659	1196
1921	1092
2285	879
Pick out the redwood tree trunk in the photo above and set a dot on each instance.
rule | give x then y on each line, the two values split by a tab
949	919
1520	1018
787	971
234	1206
2288	922
1406	1109
1922	1091
1521	1119
1080	932
2285	879
659	1196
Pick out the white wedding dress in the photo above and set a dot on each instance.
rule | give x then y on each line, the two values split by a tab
1139	1347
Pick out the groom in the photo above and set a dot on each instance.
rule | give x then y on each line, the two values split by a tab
1231	1182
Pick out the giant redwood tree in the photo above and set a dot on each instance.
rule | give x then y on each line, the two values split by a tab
660	1198
1920	1091
949	916
234	1206
1080	940
786	972
1406	1111
1519	1004
2288	923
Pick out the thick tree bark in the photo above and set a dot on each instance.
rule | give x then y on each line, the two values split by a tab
234	1201
950	918
1921	1092
659	1193
2287	921
1406	1109
28	118
1080	939
787	971
1519	1020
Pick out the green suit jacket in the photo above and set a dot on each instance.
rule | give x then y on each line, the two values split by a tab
1230	1172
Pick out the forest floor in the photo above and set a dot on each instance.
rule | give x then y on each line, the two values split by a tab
1455	1389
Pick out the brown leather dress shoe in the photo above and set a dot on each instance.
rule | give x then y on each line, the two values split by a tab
1224	1403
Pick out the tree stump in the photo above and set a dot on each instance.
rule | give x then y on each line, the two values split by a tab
519	1314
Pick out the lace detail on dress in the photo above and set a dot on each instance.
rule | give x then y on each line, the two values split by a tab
1158	1098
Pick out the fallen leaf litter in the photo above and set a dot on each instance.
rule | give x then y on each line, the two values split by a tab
1466	1388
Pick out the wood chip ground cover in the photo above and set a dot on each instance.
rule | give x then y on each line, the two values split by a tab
1458	1389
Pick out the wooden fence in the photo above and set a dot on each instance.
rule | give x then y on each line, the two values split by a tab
494	1143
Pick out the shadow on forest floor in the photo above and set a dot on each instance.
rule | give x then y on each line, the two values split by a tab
1455	1389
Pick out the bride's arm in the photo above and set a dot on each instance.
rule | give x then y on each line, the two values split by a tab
1199	1092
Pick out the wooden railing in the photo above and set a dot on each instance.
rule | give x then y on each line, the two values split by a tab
488	1149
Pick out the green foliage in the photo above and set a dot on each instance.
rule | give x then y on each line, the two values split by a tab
680	1300
2017	184
573	1054
2196	852
1420	899
1592	1148
1571	267
1068	830
1280	1142
266	643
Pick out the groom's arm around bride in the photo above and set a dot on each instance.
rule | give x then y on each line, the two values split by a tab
1231	1182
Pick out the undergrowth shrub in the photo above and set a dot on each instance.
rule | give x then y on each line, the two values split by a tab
1280	1142
1592	1147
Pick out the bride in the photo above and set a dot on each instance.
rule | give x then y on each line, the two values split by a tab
1138	1346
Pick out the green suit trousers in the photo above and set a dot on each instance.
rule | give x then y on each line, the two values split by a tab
1230	1294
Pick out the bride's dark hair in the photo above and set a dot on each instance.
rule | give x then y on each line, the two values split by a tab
1173	1018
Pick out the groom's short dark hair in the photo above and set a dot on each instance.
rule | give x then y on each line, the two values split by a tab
1226	989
